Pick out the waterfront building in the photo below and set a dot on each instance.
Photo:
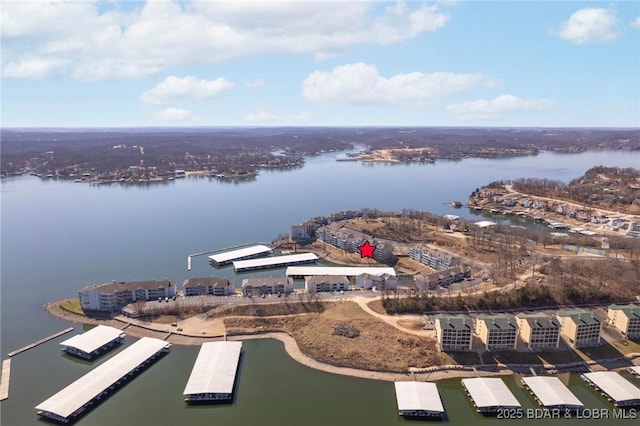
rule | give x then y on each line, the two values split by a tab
539	331
326	283
368	281
454	332
93	343
434	258
442	278
208	286
259	286
251	252
579	327
113	296
418	399
214	373
497	332
625	318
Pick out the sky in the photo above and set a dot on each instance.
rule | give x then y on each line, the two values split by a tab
320	63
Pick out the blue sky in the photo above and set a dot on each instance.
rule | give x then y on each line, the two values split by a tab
330	63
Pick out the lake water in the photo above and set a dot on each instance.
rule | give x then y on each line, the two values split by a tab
59	236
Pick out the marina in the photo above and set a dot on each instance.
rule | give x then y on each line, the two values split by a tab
550	392
274	262
418	399
214	373
93	343
228	257
490	394
39	342
72	401
348	271
617	389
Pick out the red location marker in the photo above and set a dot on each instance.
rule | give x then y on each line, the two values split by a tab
366	250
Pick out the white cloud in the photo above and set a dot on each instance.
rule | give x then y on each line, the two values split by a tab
33	68
361	83
174	89
636	22
101	41
589	25
494	109
255	84
172	114
266	116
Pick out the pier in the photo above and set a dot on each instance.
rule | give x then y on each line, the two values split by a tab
418	399
617	389
490	394
39	342
202	253
550	392
274	262
93	343
4	380
214	373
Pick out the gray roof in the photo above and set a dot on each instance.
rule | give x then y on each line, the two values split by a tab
93	339
630	310
228	256
488	392
215	368
206	282
130	286
348	271
539	320
331	279
455	322
551	392
499	322
274	261
422	396
259	282
580	316
617	387
73	397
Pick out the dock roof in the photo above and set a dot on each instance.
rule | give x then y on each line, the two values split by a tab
619	389
93	339
70	399
421	396
215	368
274	261
490	392
348	271
551	392
635	370
230	255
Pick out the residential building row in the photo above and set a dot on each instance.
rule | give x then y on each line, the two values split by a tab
539	331
434	258
113	296
442	278
350	241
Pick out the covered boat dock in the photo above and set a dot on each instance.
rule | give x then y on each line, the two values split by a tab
214	373
489	394
550	392
93	343
274	262
72	401
227	257
348	271
617	389
418	399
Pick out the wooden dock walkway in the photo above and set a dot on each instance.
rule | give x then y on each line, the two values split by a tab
4	380
39	342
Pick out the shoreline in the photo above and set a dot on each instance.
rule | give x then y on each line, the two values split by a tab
138	329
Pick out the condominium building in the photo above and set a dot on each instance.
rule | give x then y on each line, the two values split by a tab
625	318
208	286
380	282
580	327
259	286
539	331
442	278
497	332
433	258
113	296
454	332
320	283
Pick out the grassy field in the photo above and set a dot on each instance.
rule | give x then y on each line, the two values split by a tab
378	347
72	305
626	346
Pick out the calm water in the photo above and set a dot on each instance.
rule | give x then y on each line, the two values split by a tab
59	236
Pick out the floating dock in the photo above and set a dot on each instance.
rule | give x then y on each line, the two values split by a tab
93	343
227	257
635	371
214	373
72	401
418	399
348	271
489	394
39	342
550	392
274	262
617	389
4	380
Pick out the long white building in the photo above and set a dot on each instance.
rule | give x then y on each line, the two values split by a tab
619	390
490	394
418	399
93	343
225	258
214	373
274	262
550	392
348	271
